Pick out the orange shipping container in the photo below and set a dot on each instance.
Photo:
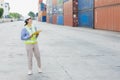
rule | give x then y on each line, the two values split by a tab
99	3
108	18
42	13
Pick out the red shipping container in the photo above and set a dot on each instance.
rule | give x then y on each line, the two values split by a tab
68	13
108	18
54	2
54	17
68	20
99	3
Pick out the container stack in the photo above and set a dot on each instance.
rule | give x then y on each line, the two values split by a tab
60	17
49	11
107	14
71	12
42	11
54	11
86	10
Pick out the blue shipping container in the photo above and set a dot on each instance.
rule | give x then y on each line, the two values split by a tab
85	4
85	18
60	19
50	19
42	7
43	19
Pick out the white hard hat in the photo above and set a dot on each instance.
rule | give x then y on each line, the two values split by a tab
27	17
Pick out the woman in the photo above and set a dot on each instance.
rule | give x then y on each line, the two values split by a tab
29	34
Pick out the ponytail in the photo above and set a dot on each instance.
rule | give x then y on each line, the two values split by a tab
26	22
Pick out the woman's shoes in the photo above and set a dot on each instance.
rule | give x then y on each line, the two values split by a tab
39	70
30	72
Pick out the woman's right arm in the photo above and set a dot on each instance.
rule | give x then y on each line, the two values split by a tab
24	34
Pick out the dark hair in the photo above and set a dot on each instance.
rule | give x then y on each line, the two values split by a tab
26	21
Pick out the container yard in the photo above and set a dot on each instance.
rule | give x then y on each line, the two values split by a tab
95	14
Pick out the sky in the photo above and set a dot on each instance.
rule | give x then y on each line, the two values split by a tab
23	6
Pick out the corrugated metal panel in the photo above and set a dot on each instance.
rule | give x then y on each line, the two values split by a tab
54	19
85	4
60	19
99	3
86	18
108	18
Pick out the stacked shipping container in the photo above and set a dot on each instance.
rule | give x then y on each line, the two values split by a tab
49	11
60	18
85	15
55	12
42	11
71	12
99	14
107	14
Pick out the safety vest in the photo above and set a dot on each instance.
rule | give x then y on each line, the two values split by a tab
33	39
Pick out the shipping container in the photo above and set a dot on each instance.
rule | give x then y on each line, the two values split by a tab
54	17
108	18
85	18
68	7
43	18
42	7
68	20
99	3
50	19
68	13
49	3
54	9
59	9
60	20
42	13
40	1
71	13
54	2
60	2
85	4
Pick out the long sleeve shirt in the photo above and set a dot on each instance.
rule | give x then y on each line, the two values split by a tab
25	34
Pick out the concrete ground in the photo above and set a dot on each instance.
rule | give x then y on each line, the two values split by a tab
67	53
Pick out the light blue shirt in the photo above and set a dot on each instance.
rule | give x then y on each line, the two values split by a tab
25	34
